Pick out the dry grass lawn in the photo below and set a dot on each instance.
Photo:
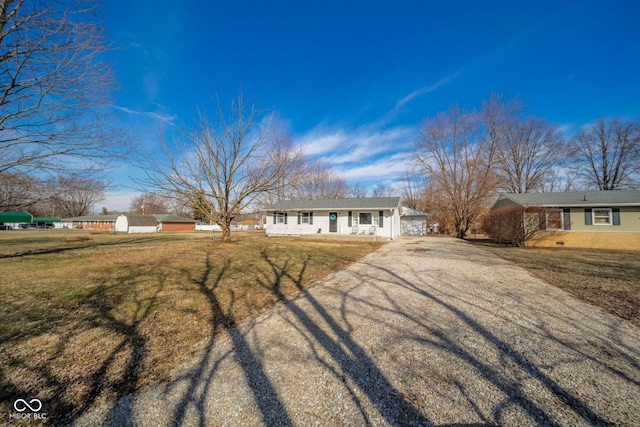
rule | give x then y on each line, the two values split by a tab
91	316
609	279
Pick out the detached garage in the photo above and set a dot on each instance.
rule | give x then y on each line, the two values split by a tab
175	223
413	222
136	224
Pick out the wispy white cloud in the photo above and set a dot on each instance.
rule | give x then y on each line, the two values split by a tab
424	90
321	141
388	168
164	118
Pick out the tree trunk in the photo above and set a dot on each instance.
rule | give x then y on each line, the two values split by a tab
226	232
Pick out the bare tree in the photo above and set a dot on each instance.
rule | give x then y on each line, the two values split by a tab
53	87
382	190
358	191
457	153
608	153
528	154
413	190
148	204
223	166
318	181
75	196
19	192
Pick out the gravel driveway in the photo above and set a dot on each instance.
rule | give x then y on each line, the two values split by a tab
426	331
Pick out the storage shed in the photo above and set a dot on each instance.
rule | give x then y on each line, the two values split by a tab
413	222
136	224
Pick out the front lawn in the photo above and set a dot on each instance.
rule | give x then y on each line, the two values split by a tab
88	317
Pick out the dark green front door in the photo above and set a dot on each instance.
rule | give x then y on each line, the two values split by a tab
333	222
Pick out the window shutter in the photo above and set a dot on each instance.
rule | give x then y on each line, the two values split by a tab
566	213
285	217
274	217
616	216
588	220
298	218
350	220
310	218
381	219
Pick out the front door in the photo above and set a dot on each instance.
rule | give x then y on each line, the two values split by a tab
333	222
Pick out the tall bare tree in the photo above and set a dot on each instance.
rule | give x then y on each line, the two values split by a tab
19	192
528	154
318	181
608	153
457	153
382	190
358	191
148	204
53	87
222	166
413	190
75	195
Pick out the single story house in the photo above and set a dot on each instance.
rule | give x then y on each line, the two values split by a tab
591	219
168	222
91	222
375	216
136	224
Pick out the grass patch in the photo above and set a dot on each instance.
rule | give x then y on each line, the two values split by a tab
89	320
609	279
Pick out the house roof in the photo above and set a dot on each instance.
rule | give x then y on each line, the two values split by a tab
141	220
336	204
111	218
173	218
412	212
577	198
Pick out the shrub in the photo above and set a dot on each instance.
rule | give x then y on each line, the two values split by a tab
514	224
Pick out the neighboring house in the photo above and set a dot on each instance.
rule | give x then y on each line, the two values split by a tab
91	222
136	224
413	222
377	216
593	219
168	222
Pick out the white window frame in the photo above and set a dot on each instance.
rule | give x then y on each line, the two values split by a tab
305	217
279	217
609	216
560	213
374	219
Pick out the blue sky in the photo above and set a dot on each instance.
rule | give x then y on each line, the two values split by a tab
352	80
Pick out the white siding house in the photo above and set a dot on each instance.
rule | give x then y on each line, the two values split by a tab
377	216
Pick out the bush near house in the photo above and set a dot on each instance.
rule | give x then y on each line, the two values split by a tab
515	224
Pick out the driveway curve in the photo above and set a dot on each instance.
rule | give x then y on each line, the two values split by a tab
425	331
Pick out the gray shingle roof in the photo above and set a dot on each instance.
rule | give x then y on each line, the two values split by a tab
141	220
173	218
336	204
577	198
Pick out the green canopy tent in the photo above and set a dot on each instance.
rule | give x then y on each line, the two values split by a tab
15	217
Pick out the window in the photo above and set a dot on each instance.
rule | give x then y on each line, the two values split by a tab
279	218
305	217
554	219
365	218
601	216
